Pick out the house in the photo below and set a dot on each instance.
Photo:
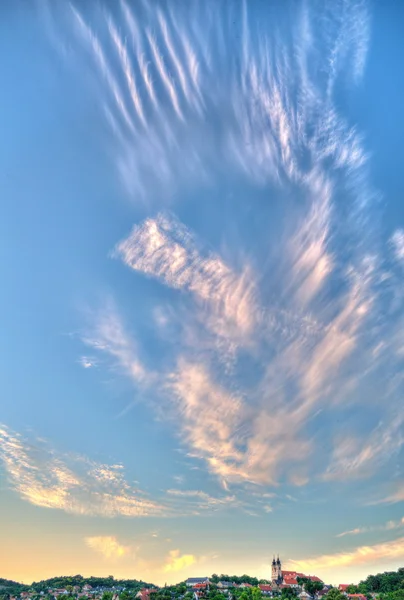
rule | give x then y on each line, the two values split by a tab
245	585
357	596
225	584
304	595
344	586
144	593
265	589
193	581
87	587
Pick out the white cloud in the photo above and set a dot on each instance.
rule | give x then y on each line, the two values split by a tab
107	545
87	362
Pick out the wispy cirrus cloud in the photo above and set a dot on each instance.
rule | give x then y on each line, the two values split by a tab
70	483
392	498
397	242
108	546
108	334
355	456
163	248
197	500
390	525
302	313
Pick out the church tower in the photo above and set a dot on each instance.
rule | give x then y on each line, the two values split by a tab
274	571
277	577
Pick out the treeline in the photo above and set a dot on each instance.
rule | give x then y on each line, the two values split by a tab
12	588
388	585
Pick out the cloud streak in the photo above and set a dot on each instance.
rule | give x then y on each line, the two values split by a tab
390	525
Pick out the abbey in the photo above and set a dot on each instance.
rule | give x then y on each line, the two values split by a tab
287	578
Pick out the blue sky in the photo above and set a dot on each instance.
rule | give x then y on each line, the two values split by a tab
202	256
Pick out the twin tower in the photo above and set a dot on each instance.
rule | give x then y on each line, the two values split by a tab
277	571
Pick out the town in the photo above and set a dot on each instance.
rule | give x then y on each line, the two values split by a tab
283	584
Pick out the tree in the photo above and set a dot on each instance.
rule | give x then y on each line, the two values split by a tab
107	596
334	594
352	589
312	587
288	593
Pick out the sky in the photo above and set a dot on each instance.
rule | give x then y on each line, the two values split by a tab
202	266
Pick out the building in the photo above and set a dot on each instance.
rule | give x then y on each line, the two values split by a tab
265	589
277	578
144	593
193	581
225	585
344	586
288	578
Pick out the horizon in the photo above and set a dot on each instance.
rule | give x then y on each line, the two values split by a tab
219	573
202	236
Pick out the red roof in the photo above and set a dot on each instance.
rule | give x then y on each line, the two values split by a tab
290	580
343	586
265	588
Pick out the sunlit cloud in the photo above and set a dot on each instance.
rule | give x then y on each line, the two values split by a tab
107	545
360	556
73	484
392	498
163	248
178	562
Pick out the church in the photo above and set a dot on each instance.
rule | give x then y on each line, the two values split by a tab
287	578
